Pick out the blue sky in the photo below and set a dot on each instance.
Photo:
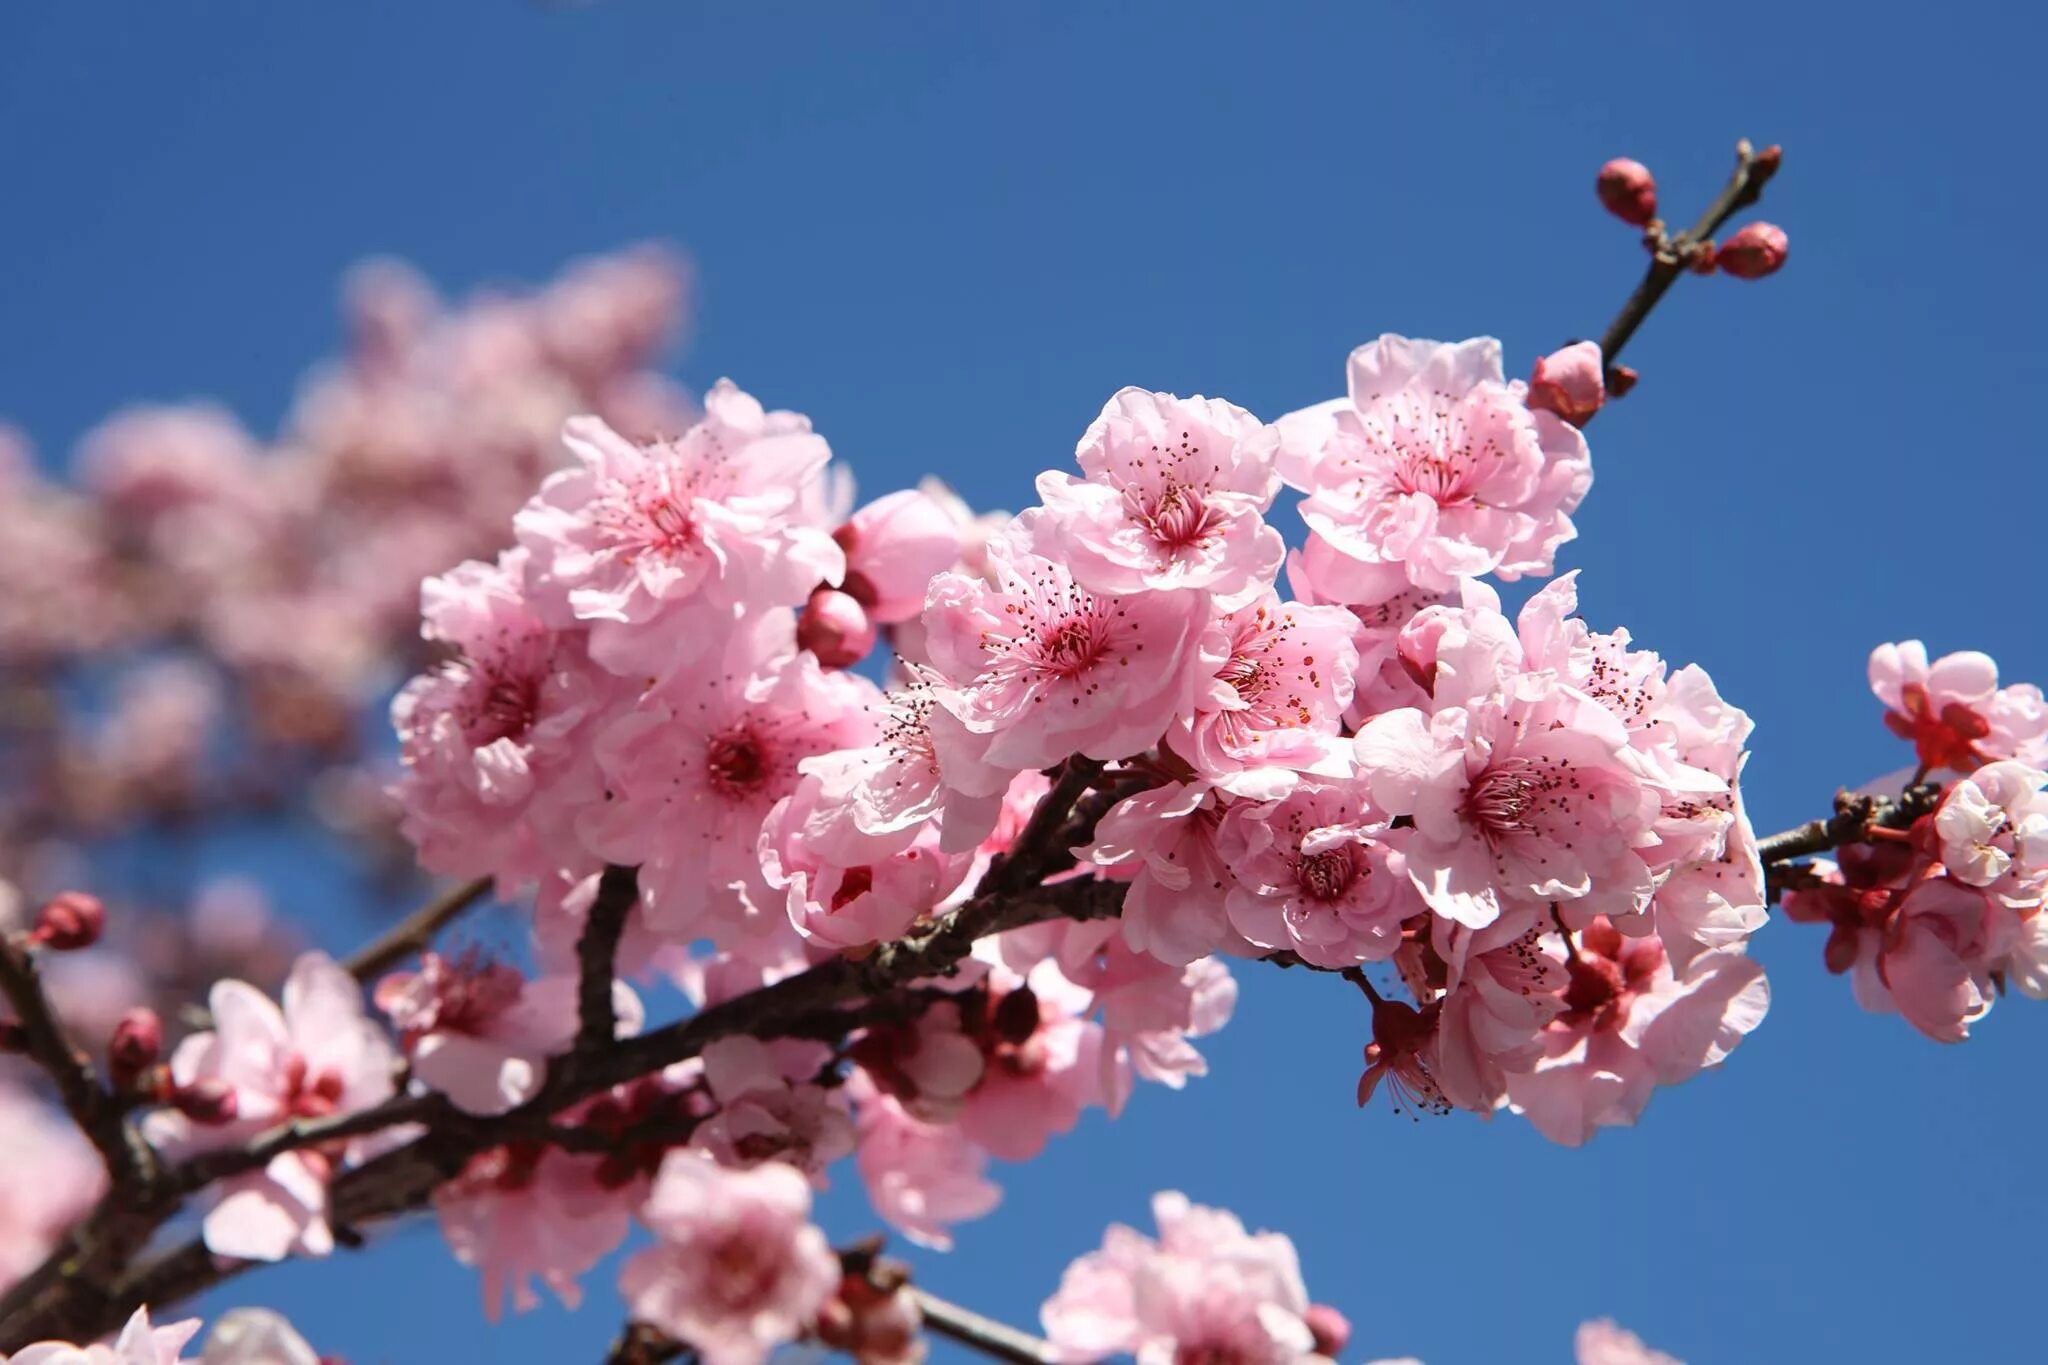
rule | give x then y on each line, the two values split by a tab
949	231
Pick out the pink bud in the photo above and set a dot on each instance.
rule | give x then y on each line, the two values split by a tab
1628	190
1620	379
209	1100
133	1049
835	628
1569	383
1331	1329
69	921
1755	251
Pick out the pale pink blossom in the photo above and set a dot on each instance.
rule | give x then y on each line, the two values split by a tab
256	1336
1435	468
1993	831
921	1177
138	1344
768	1110
1954	712
49	1177
1604	1343
525	1212
655	546
894	547
1173	496
1042	668
1275	679
1311	874
1570	382
737	1268
1163	842
480	1033
1630	1023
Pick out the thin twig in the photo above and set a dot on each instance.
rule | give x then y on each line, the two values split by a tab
997	1340
1853	819
597	952
1745	187
415	933
93	1108
642	1343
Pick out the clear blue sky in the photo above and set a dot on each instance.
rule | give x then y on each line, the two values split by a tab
949	231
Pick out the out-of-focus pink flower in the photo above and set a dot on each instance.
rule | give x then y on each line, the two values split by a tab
894	547
1954	712
525	1212
1205	1290
1604	1343
480	1033
256	1336
921	1177
1434	469
49	1177
138	1344
738	1268
768	1110
1569	382
702	525
835	627
1173	496
1041	667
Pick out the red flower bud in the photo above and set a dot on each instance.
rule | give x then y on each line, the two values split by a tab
835	628
209	1101
1754	252
68	921
1331	1329
1568	383
133	1048
1620	379
1628	190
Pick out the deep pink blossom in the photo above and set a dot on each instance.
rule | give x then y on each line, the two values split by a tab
768	1109
1041	667
1435	468
1172	496
1310	874
1954	712
737	1268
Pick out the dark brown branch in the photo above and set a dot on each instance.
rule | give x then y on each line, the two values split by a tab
997	1340
1852	821
597	952
129	1161
1672	256
415	933
643	1343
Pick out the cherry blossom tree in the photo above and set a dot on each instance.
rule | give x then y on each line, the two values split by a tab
948	827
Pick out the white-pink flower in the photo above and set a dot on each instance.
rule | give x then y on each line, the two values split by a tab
1604	1343
1311	874
1173	496
1163	842
1993	831
1435	468
655	546
138	1344
1275	679
738	1268
1040	667
256	1336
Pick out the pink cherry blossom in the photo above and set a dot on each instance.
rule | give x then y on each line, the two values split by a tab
318	1056
654	546
1205	1290
693	770
138	1344
256	1336
1173	497
1045	668
894	547
1311	874
525	1212
1993	831
1954	712
495	741
1163	842
49	1177
1570	382
767	1108
1435	468
1276	677
1631	1023
738	1268
480	1033
1604	1343
921	1177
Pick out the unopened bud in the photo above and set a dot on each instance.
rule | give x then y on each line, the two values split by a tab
1765	163
69	921
1568	382
1628	190
835	628
133	1048
1755	251
210	1100
1620	379
1331	1329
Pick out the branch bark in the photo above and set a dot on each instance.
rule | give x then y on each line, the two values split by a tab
415	933
996	1340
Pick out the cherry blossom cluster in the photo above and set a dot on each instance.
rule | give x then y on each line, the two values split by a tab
241	1336
1932	919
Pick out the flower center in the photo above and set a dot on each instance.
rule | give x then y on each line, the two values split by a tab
1071	647
1499	801
736	762
1246	676
505	711
673	529
1176	519
1326	876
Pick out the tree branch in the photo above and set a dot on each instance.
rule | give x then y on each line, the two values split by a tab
1853	818
1671	257
643	1343
415	933
129	1161
597	952
997	1340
